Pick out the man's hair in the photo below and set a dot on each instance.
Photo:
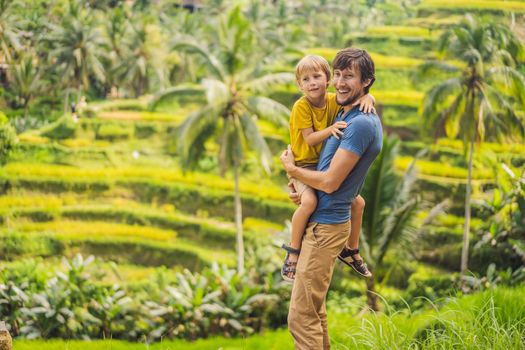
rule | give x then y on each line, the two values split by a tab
312	63
357	59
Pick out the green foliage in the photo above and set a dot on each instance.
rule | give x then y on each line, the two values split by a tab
7	139
503	234
146	130
69	305
489	320
63	128
114	132
15	245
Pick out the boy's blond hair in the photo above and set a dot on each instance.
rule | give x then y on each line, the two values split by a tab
312	63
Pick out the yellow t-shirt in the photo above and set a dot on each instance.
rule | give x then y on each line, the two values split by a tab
304	116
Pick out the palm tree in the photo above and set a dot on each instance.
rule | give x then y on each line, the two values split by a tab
143	51
9	28
25	80
77	49
233	105
391	206
116	29
478	101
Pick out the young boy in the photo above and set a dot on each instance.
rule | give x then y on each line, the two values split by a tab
310	124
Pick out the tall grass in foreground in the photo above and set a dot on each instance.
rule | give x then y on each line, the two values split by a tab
492	319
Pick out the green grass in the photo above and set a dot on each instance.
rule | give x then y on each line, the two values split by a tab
403	31
143	116
76	233
276	340
434	20
494	319
400	98
426	167
263	188
474	5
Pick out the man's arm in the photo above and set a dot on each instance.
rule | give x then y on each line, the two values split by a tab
327	181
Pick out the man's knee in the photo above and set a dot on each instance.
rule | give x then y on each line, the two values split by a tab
358	204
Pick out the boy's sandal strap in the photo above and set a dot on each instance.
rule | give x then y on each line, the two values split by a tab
345	253
290	249
289	267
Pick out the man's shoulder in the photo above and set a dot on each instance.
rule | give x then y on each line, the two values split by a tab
362	126
361	118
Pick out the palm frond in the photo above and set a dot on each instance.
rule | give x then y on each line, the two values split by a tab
436	99
256	140
175	91
264	83
192	133
427	68
502	119
214	64
267	109
511	78
397	224
379	191
216	91
453	116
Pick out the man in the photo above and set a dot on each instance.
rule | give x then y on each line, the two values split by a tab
340	174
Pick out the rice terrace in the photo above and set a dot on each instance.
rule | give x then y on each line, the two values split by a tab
157	155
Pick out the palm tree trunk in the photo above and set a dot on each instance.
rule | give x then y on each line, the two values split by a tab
466	229
79	92
238	220
66	101
26	110
371	294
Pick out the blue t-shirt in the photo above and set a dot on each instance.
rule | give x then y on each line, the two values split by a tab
364	137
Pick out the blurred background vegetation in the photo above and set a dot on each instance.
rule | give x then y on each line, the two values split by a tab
142	200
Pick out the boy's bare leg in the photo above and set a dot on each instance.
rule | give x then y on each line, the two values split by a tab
300	219
357	210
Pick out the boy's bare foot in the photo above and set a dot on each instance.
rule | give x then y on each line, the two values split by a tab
352	258
290	263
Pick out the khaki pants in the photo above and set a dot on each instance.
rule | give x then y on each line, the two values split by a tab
307	315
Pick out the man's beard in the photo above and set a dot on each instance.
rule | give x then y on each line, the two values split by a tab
354	97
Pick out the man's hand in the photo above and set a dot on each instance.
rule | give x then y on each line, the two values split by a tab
294	196
287	159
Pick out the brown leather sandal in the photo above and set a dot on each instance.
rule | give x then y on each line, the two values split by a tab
358	265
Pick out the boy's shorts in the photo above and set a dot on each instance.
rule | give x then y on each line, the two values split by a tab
299	186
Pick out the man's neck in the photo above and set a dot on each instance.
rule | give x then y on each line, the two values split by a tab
349	106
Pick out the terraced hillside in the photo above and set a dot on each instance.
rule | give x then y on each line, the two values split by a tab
111	185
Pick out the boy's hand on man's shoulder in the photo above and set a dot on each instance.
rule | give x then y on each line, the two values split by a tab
366	104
